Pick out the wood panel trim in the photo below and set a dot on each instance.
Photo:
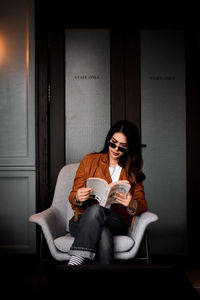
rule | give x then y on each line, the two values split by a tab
125	76
56	79
117	73
42	133
193	141
132	78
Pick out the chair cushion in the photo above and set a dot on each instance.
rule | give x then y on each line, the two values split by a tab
122	243
63	243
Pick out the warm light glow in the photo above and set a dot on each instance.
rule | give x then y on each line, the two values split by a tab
2	49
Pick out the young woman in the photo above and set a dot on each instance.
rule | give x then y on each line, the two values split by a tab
93	226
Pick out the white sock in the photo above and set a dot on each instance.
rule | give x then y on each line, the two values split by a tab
76	261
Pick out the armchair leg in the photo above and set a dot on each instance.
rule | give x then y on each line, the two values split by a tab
146	245
40	252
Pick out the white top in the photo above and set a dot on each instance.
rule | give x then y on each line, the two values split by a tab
115	172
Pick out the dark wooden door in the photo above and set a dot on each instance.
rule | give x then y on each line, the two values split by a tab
125	89
125	102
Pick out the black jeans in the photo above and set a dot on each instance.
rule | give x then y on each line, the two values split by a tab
94	233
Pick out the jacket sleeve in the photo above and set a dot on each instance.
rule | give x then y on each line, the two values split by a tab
79	181
139	196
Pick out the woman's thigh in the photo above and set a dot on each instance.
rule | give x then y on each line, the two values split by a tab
115	223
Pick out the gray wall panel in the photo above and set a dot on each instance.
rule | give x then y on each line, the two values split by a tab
17	126
164	131
17	84
87	91
17	203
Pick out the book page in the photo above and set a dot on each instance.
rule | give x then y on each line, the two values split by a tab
122	187
100	189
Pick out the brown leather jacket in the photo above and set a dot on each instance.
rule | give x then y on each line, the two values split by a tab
97	165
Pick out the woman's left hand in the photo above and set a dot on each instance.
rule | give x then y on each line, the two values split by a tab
123	198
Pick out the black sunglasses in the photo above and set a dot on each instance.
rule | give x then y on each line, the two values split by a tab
120	149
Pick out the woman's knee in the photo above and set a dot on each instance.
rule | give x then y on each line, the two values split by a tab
95	212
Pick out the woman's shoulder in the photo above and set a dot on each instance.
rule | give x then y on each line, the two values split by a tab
92	161
94	156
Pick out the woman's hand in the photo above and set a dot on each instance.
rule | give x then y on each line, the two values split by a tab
83	194
123	198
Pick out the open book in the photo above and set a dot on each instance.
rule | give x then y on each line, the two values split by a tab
104	192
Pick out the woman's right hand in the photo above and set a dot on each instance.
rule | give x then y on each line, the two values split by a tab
83	194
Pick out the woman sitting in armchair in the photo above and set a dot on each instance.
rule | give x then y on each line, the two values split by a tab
92	225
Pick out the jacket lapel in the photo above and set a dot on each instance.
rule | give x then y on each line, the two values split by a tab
122	175
105	167
104	161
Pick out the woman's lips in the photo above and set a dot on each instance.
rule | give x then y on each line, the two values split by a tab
115	154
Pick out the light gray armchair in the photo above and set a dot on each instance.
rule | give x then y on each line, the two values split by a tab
54	224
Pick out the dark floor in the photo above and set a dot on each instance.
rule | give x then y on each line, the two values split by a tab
20	278
193	275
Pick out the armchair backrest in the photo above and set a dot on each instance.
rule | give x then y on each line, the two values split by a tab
63	188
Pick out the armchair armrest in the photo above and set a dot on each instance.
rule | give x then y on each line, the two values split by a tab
52	225
51	222
141	223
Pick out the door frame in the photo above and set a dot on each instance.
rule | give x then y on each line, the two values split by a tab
125	70
125	98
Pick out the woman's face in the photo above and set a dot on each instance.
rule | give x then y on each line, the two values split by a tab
118	139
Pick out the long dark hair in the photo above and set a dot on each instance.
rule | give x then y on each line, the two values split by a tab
131	160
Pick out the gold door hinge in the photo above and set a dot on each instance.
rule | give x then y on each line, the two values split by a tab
49	39
49	93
